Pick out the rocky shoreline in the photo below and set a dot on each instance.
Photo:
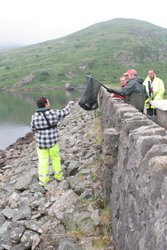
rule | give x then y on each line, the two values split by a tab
68	215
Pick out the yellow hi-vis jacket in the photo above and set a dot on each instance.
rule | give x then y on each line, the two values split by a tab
158	90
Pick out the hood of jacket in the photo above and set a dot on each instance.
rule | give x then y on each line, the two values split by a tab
139	80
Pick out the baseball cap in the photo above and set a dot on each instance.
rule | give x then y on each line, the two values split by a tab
130	72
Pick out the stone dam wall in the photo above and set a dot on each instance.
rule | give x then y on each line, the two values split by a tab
134	175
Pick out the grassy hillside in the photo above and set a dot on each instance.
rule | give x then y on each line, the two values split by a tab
104	50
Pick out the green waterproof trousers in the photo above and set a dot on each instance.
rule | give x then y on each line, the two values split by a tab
43	166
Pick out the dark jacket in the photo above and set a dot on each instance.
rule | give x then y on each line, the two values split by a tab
135	93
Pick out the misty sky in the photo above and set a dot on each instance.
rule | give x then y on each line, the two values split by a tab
25	22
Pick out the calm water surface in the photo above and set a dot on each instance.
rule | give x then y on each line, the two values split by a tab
16	109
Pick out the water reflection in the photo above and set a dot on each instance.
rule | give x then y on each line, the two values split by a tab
16	109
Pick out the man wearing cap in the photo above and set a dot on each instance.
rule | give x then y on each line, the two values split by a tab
134	90
155	91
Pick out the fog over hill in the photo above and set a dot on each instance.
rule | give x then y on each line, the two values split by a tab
9	46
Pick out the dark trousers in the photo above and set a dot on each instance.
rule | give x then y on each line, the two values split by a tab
151	112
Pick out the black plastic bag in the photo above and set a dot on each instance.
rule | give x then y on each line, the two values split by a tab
89	100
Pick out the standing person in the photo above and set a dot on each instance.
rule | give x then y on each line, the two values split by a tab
134	90
44	124
123	80
155	91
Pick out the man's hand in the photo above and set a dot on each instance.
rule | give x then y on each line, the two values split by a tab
71	102
147	102
110	90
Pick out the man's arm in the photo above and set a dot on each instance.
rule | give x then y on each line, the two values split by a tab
127	90
32	127
161	91
63	112
114	91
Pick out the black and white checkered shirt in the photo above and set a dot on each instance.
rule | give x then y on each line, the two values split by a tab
47	137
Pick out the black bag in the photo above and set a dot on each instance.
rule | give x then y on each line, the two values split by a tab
88	100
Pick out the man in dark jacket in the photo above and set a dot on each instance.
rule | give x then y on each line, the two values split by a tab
134	90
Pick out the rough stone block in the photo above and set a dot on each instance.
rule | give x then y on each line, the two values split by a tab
111	137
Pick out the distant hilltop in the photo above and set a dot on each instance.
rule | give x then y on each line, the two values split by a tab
104	50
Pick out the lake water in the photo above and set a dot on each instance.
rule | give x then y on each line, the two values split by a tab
16	109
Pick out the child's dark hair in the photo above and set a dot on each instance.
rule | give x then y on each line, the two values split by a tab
41	102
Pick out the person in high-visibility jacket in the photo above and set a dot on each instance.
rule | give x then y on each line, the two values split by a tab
155	91
44	124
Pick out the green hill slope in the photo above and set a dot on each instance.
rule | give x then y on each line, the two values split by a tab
104	50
